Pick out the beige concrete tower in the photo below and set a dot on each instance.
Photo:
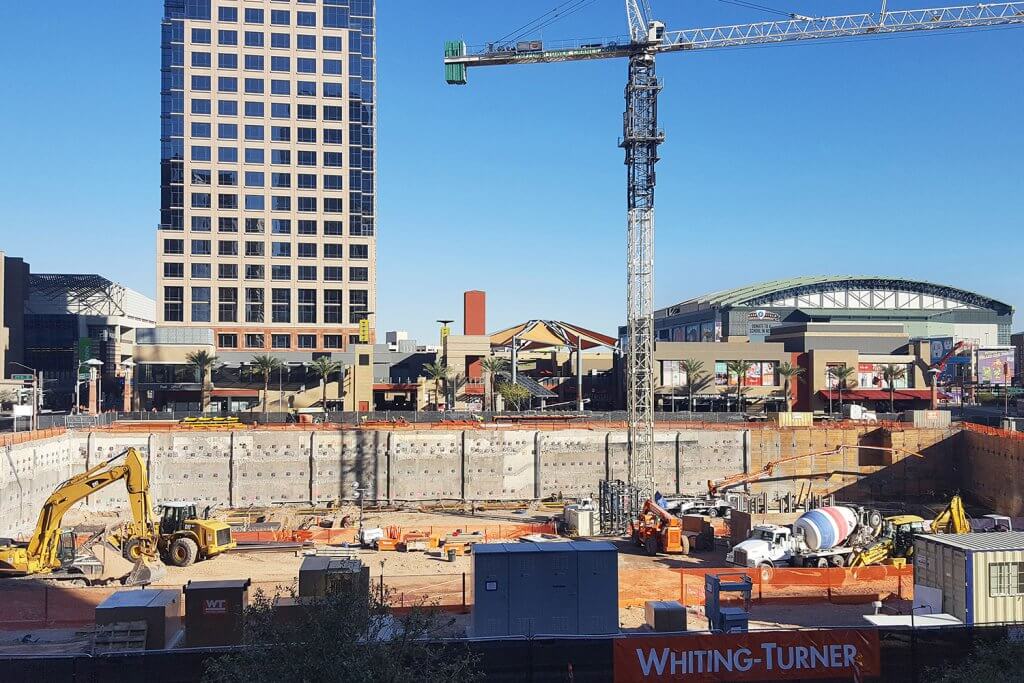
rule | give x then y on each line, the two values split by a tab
268	147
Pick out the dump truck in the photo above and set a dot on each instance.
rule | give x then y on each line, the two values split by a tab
824	537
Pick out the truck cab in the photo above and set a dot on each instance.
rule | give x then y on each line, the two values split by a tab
767	546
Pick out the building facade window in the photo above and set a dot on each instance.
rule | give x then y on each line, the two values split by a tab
253	304
281	305
307	306
174	304
200	304
227	305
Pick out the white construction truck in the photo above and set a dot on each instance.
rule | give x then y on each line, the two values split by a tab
824	537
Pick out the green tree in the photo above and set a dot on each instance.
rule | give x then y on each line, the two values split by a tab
323	367
437	372
788	372
740	368
493	367
264	366
696	378
344	637
514	395
841	374
204	362
892	373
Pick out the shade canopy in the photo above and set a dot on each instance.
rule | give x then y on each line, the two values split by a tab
546	334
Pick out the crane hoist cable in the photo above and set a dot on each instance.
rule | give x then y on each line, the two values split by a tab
763	8
555	14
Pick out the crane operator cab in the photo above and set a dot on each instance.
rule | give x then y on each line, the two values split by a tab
185	538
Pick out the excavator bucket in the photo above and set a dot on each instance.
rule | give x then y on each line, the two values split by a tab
146	573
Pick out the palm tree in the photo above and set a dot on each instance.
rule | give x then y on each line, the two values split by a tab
740	369
437	372
841	373
203	361
492	366
788	372
891	373
264	366
323	367
694	370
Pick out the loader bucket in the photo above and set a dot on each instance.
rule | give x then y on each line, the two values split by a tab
146	573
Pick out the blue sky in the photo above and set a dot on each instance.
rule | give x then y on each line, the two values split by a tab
892	156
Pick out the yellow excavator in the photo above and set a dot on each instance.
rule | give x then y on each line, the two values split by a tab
952	520
897	537
52	550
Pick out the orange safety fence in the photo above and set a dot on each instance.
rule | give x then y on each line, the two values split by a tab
993	431
830	584
637	586
23	437
490	532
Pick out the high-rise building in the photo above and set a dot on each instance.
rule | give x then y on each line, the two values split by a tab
267	211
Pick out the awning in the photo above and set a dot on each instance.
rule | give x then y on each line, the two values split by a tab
235	393
544	334
880	394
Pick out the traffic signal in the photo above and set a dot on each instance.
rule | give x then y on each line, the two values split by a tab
364	331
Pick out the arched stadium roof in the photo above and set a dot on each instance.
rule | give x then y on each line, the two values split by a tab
875	288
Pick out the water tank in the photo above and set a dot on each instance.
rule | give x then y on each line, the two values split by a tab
826	527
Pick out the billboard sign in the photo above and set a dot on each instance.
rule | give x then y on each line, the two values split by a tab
84	354
995	366
840	654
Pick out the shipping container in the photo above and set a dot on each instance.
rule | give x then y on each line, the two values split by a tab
215	611
980	576
533	589
160	609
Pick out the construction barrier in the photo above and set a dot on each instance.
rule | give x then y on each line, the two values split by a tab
15	438
993	431
831	584
637	586
490	533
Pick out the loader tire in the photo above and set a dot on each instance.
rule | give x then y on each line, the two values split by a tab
183	552
132	550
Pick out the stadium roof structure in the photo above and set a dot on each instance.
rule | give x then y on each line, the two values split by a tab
773	292
544	334
89	294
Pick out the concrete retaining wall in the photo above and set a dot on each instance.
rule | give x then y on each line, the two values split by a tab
261	468
991	469
28	474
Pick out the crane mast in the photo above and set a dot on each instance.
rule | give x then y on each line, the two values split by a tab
641	137
640	140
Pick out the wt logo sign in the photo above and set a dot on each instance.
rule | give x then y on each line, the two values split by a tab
215	606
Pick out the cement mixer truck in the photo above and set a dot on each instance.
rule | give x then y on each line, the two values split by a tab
824	537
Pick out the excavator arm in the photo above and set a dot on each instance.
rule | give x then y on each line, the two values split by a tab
44	544
952	520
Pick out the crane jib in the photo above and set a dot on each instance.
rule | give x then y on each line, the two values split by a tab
799	28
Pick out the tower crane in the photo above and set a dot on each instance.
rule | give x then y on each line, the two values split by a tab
641	138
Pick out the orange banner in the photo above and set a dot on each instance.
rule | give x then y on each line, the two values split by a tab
756	656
